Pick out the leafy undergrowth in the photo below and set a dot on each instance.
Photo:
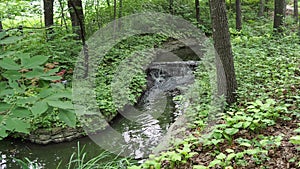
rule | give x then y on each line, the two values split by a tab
262	129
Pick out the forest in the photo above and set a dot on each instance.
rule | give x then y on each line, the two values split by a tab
149	84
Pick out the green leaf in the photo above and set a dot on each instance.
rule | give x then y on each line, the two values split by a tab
245	144
3	133
2	35
21	112
4	107
221	156
51	77
56	96
12	75
39	108
9	64
45	92
9	40
199	167
295	139
25	100
35	61
214	162
7	92
15	124
7	54
231	131
61	104
34	74
25	58
68	117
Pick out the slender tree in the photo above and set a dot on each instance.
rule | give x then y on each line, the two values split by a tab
238	14
77	18
107	2
227	84
120	13
296	12
48	15
1	26
279	14
63	18
171	6
197	6
261	8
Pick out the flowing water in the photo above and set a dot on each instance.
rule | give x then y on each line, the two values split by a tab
140	135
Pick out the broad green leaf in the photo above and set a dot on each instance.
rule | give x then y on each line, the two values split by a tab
199	167
25	58
6	54
4	107
7	92
15	124
3	133
295	139
33	74
56	96
21	112
245	144
29	100
52	71
231	131
10	40
34	61
9	64
45	92
51	77
68	117
252	151
39	108
12	75
3	86
2	35
61	104
221	156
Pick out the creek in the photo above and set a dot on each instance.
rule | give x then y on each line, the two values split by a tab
141	135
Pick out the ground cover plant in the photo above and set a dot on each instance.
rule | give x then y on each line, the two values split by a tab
260	130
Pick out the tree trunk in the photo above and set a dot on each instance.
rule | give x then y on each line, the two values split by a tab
120	13
238	12
63	18
261	8
197	6
77	18
296	12
1	26
279	14
227	84
108	3
48	15
171	6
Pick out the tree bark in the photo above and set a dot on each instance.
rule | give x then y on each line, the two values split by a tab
171	6
63	18
238	12
227	84
279	14
120	13
296	12
77	18
1	26
261	8
197	6
48	12
48	15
